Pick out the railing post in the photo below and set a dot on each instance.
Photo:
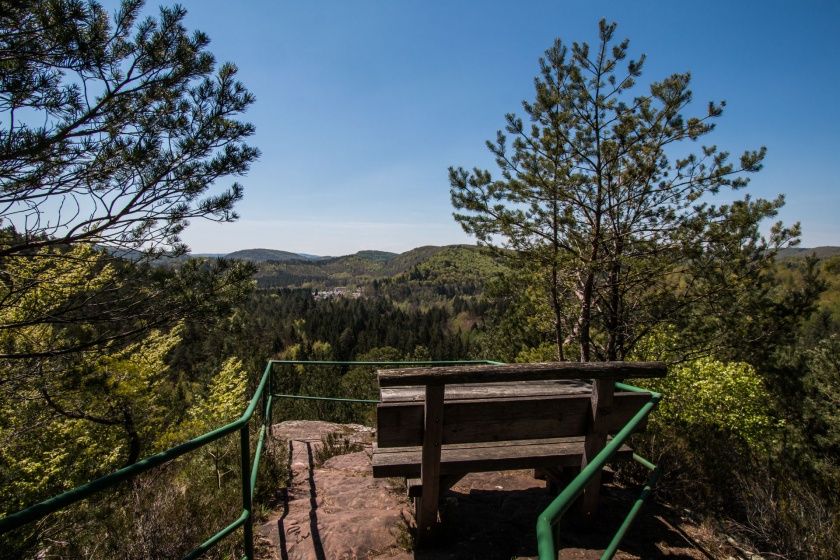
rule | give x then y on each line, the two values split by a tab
248	526
266	395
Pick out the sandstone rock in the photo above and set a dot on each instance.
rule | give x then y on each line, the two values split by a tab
339	512
314	430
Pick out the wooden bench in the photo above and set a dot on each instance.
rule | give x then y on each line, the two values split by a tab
437	424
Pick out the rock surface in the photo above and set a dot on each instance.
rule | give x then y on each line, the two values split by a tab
337	511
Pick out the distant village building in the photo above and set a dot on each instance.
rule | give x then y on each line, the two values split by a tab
338	292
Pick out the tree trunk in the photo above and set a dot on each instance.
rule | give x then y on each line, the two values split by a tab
132	435
585	318
615	341
555	302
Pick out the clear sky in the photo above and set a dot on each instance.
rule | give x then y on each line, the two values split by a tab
363	104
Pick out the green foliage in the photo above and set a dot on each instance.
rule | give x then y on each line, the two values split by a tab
432	272
224	402
545	352
360	381
591	189
709	395
128	123
821	405
226	398
762	462
104	412
126	120
334	444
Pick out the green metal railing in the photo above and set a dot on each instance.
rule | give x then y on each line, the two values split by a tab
548	519
248	470
546	522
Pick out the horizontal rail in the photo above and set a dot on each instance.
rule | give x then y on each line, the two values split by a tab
410	363
496	373
214	540
561	504
337	399
41	509
249	475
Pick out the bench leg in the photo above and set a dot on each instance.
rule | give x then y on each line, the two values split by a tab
430	467
589	499
596	439
427	521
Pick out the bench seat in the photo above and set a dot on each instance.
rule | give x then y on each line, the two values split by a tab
462	458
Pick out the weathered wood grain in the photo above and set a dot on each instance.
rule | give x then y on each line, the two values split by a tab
478	420
491	390
602	417
488	456
518	372
430	461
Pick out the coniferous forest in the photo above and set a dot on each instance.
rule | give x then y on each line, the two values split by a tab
116	343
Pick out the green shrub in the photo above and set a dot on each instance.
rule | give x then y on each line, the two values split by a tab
334	444
707	394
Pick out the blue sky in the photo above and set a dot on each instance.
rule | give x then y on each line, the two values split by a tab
362	105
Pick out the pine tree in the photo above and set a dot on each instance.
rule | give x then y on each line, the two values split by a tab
113	132
593	189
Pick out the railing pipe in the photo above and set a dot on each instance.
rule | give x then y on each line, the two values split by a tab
418	363
263	394
612	548
245	459
561	504
212	541
257	455
311	398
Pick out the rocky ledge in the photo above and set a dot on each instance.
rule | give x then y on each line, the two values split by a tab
334	510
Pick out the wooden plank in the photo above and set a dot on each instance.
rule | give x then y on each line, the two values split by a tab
491	390
518	372
401	424
602	400
478	445
487	456
430	463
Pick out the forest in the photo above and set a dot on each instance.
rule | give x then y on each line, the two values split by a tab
767	475
593	244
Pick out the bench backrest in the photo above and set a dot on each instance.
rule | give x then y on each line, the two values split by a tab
401	423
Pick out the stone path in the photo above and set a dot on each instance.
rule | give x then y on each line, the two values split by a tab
336	511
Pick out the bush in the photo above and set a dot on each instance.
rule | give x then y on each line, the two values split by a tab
723	453
706	394
161	514
334	444
786	513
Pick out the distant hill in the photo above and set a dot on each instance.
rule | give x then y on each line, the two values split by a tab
264	255
381	256
447	264
801	252
408	260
